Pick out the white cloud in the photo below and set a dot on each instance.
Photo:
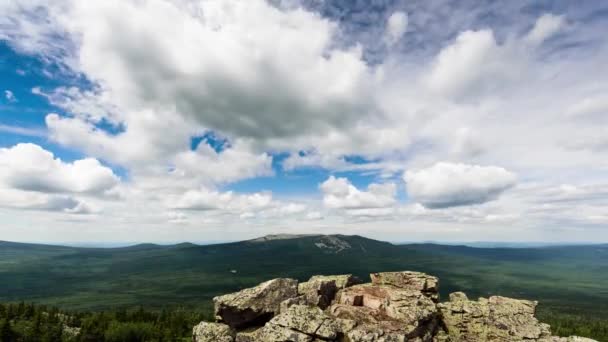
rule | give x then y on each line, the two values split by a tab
28	200
10	97
293	208
595	106
223	88
474	62
546	26
339	193
396	26
204	199
370	212
32	132
177	217
447	185
314	215
29	167
280	81
234	163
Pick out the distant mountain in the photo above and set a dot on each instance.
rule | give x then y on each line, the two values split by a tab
568	279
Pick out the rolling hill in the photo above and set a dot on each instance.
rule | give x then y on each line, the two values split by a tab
569	280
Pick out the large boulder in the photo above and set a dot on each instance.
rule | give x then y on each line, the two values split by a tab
394	307
256	305
416	281
212	332
409	306
342	281
320	291
300	323
493	319
383	311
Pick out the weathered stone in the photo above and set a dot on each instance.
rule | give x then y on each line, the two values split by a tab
395	307
319	292
300	323
212	332
493	319
248	335
256	305
458	296
287	303
386	313
409	306
371	334
342	281
416	281
572	339
361	323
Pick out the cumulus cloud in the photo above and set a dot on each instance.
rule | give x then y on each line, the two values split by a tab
27	200
204	199
545	26
234	163
339	193
277	80
30	132
595	107
396	26
9	96
259	205
29	167
474	62
244	86
447	185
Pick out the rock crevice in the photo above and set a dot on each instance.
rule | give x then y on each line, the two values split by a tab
394	307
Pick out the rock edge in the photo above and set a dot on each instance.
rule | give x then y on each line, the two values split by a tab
394	307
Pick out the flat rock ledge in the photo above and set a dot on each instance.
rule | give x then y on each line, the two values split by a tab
394	307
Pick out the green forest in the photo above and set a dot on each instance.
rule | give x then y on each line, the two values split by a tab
158	293
25	322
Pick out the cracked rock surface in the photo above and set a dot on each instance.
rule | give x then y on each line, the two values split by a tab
394	307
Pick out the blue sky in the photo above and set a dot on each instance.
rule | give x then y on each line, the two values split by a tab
168	121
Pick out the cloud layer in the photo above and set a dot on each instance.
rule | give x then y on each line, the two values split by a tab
446	185
397	117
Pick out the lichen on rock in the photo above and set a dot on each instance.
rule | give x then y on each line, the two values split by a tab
394	307
256	305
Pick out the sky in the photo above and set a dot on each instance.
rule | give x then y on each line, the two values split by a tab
218	120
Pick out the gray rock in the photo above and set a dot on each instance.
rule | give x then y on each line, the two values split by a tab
248	335
342	281
395	307
426	284
256	305
300	323
493	319
212	332
410	307
572	339
287	303
318	292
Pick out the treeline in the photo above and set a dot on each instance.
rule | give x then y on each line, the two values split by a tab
23	322
578	325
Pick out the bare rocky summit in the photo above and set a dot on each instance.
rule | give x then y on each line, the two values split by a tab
394	307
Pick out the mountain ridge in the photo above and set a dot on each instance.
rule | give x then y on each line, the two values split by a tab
272	237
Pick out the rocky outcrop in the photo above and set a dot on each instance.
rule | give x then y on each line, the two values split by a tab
394	307
320	290
256	305
219	332
493	319
416	281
